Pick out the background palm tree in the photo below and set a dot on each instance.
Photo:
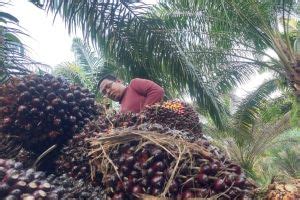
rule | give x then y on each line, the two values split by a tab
13	60
89	66
253	33
257	131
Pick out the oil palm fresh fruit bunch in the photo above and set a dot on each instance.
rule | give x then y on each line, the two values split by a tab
17	182
73	159
40	111
173	114
284	190
140	162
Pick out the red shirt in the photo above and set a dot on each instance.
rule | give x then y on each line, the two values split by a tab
139	93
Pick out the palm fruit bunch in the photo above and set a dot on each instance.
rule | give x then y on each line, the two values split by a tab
40	111
73	159
140	162
17	182
66	187
171	114
174	114
284	190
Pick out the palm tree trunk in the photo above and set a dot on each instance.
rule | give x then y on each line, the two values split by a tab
295	80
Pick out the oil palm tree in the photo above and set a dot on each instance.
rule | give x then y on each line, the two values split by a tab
255	33
257	126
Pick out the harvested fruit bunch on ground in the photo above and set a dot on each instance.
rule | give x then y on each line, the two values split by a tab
284	190
40	111
135	162
19	183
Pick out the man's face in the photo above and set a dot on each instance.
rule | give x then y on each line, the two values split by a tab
112	89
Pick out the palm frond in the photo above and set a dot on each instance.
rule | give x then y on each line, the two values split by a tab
13	60
248	110
73	73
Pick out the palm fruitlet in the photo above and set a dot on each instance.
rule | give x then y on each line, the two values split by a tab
39	111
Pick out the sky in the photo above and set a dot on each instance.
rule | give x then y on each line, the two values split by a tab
50	43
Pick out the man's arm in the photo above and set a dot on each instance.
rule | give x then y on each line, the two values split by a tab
153	92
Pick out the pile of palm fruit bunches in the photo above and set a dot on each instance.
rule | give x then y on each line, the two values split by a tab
159	152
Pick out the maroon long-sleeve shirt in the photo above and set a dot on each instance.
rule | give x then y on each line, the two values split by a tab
139	93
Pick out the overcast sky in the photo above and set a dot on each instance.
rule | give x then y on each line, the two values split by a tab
50	43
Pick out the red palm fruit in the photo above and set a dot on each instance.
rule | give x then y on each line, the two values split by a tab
235	168
229	179
174	187
150	172
21	86
127	185
118	196
7	121
134	174
122	159
219	185
137	189
112	180
137	166
157	181
205	169
202	179
144	182
157	153
239	181
148	162
125	169
129	160
214	167
158	166
187	194
119	187
156	191
130	150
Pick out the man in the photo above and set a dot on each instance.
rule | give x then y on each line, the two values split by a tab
133	98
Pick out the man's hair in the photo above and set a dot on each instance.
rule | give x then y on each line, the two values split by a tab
108	77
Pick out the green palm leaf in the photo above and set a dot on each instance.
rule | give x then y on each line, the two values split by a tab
249	110
13	60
